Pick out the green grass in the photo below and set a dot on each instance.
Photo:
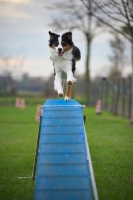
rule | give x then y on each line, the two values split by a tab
18	132
111	146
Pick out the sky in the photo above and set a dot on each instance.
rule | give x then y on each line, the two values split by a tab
24	27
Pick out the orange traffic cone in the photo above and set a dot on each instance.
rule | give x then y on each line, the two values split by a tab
99	107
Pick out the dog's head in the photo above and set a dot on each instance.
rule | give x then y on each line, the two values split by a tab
62	43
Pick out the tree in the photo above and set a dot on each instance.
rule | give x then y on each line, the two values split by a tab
117	58
10	68
116	15
74	15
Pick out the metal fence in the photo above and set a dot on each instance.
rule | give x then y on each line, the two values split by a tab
115	94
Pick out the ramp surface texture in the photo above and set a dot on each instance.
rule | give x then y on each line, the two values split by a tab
62	166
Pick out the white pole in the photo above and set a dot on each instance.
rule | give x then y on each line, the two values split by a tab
94	187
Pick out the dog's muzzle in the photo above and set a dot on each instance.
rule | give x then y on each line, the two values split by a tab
60	52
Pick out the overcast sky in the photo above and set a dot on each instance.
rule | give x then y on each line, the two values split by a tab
24	29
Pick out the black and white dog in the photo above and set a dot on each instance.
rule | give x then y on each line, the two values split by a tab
64	56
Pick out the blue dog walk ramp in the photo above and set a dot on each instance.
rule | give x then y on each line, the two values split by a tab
62	171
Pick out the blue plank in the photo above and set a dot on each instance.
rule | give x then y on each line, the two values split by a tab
61	105
62	166
46	139
62	170
71	129
64	195
63	183
62	148
61	108
68	158
62	121
63	113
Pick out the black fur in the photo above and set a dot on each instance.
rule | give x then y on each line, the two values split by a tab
76	57
67	37
76	53
53	38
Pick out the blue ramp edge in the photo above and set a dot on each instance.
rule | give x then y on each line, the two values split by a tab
62	166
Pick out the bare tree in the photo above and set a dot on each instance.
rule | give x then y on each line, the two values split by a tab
117	15
73	14
117	57
10	69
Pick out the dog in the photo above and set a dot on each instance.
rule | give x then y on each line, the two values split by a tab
64	56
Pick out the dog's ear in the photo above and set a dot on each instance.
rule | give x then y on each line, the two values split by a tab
53	35
68	35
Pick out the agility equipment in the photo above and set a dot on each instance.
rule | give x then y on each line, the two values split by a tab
63	168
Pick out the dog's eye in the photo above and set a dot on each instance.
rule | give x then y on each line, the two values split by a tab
56	44
64	44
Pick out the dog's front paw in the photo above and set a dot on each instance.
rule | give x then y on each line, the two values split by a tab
67	98
60	95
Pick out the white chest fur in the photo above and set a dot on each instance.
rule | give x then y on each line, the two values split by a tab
61	63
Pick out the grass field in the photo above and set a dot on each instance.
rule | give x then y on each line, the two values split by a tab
111	146
18	132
